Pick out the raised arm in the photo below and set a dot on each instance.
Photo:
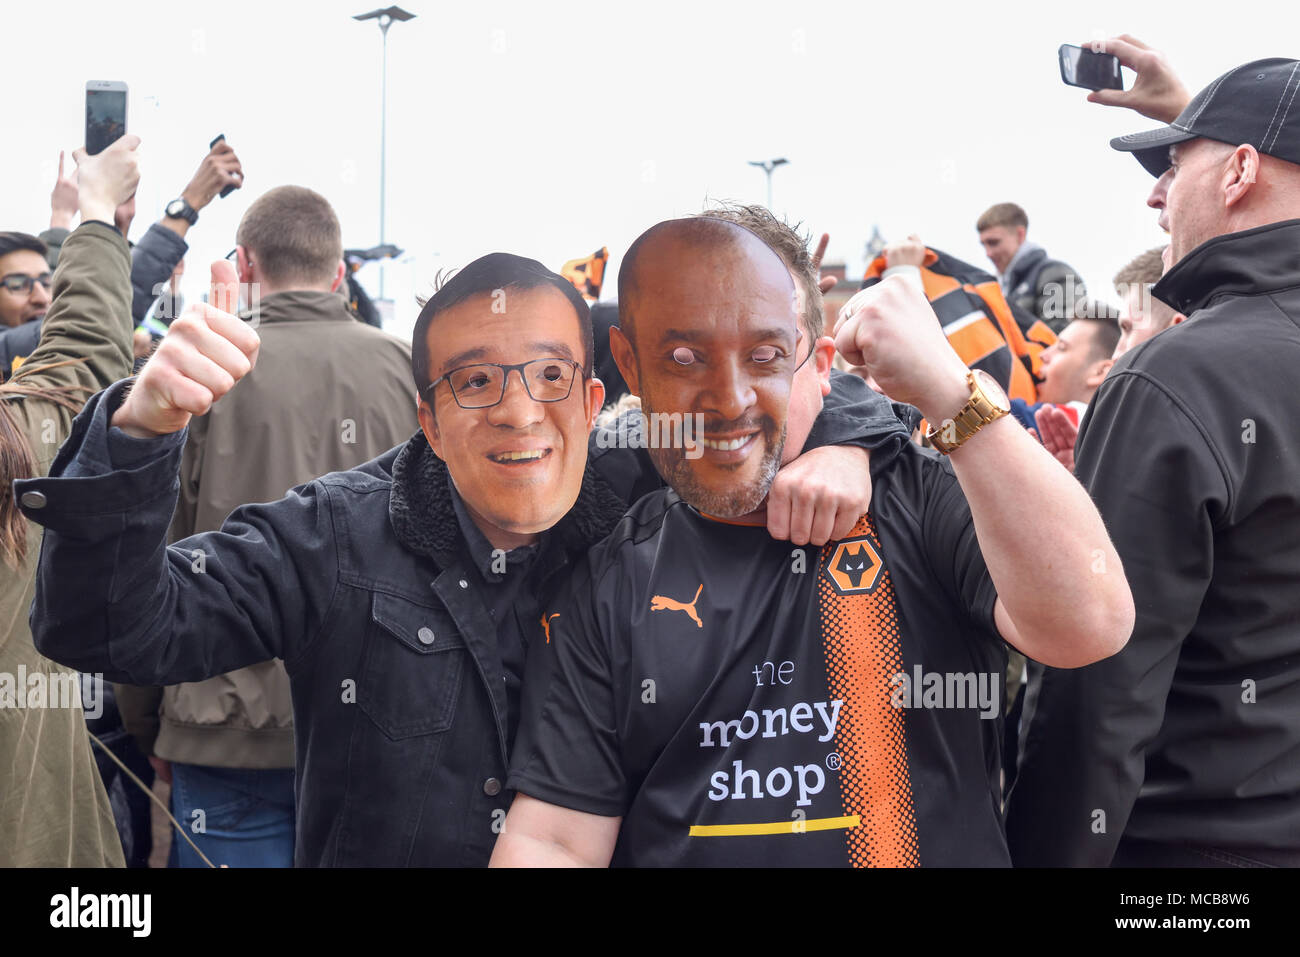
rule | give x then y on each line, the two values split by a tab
1157	92
1063	598
86	335
110	597
163	245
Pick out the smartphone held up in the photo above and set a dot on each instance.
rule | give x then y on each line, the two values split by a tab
1091	71
226	191
105	114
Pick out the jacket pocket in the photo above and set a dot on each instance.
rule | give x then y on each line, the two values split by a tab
411	674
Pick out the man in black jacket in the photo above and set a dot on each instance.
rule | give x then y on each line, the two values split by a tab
401	594
1181	750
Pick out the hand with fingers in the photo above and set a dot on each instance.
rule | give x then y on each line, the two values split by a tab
108	179
825	283
905	252
219	169
1157	92
891	329
820	496
63	199
1057	432
206	351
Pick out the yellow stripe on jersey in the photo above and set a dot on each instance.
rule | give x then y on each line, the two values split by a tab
776	827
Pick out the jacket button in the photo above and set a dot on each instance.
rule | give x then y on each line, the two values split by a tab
463	583
491	787
34	499
425	635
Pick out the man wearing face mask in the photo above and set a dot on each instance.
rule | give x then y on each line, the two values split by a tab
705	695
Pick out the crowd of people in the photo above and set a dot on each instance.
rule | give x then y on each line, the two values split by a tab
975	570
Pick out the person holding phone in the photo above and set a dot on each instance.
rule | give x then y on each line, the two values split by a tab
1191	450
161	249
54	811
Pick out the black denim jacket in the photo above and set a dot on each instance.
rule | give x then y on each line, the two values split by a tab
360	581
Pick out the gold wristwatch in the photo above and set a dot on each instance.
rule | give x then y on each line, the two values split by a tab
988	403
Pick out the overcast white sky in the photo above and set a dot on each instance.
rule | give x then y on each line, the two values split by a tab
522	126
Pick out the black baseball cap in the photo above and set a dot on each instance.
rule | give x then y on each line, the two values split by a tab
1256	103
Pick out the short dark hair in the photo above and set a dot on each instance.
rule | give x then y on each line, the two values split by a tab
484	276
293	235
1002	214
1105	335
13	242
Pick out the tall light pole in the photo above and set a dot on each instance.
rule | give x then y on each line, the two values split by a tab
386	17
767	166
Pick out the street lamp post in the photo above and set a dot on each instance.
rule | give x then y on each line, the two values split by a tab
767	166
385	17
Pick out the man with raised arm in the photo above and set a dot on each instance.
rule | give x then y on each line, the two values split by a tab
706	695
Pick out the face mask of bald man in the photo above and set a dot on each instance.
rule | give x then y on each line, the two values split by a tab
709	325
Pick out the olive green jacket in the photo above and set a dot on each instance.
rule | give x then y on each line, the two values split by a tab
54	811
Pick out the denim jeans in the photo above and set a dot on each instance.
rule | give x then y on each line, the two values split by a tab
246	816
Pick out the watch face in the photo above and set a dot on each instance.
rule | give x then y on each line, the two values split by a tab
175	208
992	391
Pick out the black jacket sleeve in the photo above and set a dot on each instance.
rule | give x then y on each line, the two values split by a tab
854	414
111	597
1152	470
152	262
18	342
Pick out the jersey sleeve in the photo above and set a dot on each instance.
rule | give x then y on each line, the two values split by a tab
568	752
948	532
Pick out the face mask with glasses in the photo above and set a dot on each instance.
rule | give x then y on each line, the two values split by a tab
483	384
20	284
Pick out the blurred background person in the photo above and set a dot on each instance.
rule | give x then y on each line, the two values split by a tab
1143	315
1035	284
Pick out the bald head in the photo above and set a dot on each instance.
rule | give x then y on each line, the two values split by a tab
689	259
708	329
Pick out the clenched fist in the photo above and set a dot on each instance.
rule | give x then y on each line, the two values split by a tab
205	352
891	329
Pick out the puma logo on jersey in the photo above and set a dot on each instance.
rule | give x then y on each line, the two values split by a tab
663	603
854	566
546	625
